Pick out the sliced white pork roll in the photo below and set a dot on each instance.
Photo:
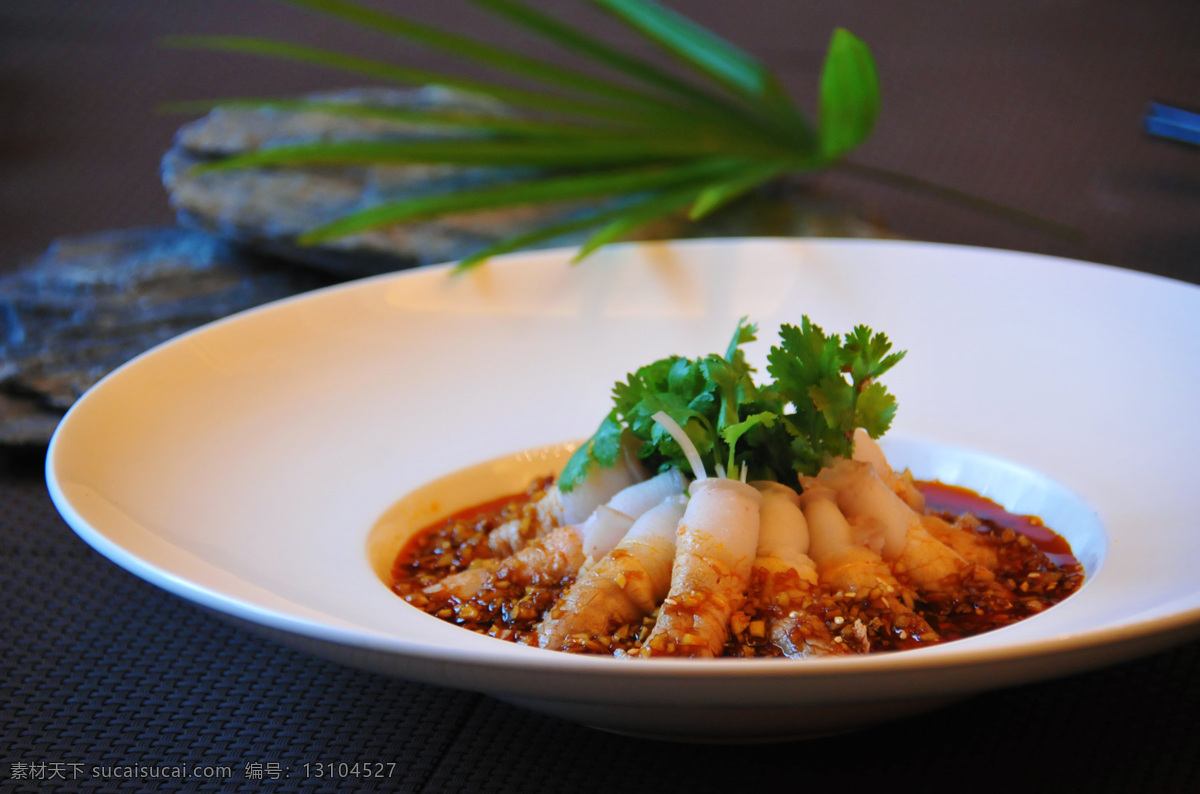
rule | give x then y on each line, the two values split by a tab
715	547
560	554
787	577
624	586
933	568
857	574
597	488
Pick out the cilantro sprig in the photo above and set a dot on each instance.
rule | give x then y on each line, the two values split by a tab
824	387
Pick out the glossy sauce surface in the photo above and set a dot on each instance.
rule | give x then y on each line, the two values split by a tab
957	501
1033	565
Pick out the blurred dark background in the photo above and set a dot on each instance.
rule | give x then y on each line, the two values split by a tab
1034	103
1037	104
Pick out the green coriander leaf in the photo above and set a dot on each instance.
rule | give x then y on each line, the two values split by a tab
810	369
606	443
602	449
807	415
686	377
743	334
805	357
875	410
807	458
834	398
733	433
867	354
705	404
733	383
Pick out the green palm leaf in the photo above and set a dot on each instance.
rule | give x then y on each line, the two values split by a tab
664	203
717	59
481	52
717	195
650	143
580	43
696	46
490	124
546	153
534	191
637	216
849	95
382	70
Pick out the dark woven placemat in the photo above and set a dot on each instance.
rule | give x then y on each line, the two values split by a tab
1034	104
104	671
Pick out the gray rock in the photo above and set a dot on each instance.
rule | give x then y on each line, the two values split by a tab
267	209
92	303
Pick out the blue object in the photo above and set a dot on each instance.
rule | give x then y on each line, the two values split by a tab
1178	125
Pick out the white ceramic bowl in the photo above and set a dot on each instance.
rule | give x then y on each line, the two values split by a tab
247	465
